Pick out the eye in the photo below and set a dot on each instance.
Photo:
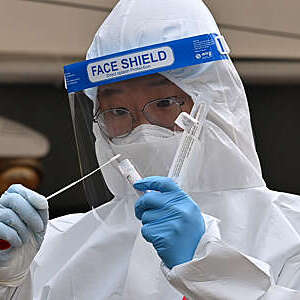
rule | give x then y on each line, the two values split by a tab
118	112
164	102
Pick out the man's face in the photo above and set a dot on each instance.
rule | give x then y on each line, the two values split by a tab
134	94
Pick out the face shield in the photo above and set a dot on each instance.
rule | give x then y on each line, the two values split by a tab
127	103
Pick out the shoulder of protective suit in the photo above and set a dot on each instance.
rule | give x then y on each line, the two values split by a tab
63	223
288	203
287	200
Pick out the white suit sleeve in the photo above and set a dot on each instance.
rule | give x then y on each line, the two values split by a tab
6	293
27	289
22	292
220	272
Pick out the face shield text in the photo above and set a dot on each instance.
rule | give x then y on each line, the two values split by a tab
130	64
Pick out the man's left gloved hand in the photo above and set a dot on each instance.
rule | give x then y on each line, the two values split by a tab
172	221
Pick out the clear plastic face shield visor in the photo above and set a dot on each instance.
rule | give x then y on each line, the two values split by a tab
139	104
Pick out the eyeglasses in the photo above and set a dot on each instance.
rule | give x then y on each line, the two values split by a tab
119	122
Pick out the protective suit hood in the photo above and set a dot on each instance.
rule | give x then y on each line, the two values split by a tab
228	158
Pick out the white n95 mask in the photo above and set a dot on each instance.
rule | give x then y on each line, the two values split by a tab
150	148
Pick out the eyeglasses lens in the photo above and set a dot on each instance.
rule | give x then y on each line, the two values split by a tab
162	112
118	122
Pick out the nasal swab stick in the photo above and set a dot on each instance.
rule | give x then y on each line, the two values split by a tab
84	177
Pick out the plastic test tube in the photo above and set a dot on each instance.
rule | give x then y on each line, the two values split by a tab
130	173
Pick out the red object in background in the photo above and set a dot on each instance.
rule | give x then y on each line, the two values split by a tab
4	245
184	298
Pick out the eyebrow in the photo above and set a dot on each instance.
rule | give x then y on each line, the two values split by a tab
162	81
108	91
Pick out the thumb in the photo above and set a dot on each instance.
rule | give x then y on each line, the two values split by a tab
157	183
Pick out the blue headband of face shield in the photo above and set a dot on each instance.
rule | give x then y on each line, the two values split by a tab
145	61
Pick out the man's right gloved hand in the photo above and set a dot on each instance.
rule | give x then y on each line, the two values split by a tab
23	222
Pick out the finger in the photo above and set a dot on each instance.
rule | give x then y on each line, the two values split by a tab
151	215
11	219
146	233
156	183
44	214
36	200
150	200
10	235
24	210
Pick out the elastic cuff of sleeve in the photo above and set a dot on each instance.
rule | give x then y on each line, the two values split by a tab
212	234
15	281
281	293
171	273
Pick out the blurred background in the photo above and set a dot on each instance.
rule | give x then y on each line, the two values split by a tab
37	38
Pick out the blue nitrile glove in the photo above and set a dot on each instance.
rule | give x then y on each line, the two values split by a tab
23	221
172	221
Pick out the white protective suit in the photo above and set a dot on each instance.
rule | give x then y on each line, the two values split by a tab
251	249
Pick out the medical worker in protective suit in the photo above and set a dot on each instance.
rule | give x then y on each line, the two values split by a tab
218	234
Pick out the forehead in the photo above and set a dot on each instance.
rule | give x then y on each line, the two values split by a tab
137	91
148	80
